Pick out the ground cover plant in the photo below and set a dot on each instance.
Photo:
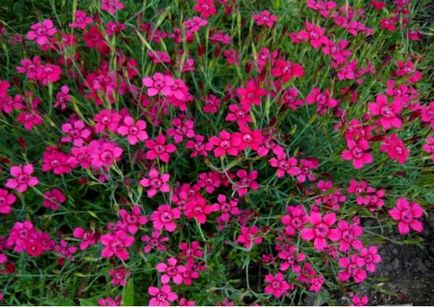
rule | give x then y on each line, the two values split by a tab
211	152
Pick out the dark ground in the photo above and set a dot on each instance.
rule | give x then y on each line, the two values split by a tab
408	272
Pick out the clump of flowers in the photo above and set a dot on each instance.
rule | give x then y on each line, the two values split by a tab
210	152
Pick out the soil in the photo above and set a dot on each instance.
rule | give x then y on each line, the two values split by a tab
408	272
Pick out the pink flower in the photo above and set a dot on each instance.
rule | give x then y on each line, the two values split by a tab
249	236
277	285
351	266
247	180
88	238
158	84
6	202
53	199
119	276
264	18
23	178
103	153
116	244
62	97
225	144
198	208
41	32
171	271
427	114
81	20
294	220
76	132
161	297
111	6
322	6
156	241
251	94
108	301
369	257
286	70
285	165
156	182
395	148
205	8
164	218
181	130
349	236
322	99
408	215
107	119
239	113
249	138
389	113
135	131
158	149
358	152
227	208
198	146
320	230
131	222
360	300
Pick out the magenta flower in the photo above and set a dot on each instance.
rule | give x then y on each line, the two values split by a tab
116	244
395	148
135	131
76	133
161	297
155	241
171	271
156	182
320	230
428	147
286	70
349	236
41	32
119	276
103	153
158	84
277	285
6	201
351	266
226	144
107	119
81	20
198	208
88	238
164	218
247	180
358	152
388	113
158	149
205	8
23	178
251	94
111	6
369	258
264	18
131	222
294	220
53	199
408	215
249	236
